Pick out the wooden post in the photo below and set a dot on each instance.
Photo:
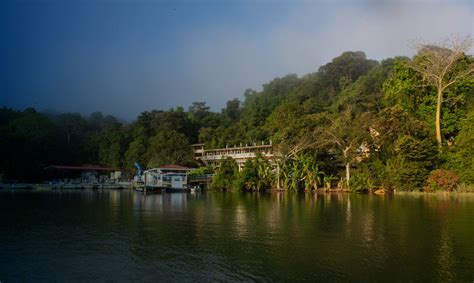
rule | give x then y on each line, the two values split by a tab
144	183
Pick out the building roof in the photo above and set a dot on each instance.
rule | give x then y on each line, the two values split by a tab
174	167
85	167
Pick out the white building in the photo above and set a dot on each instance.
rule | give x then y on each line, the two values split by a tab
166	177
212	157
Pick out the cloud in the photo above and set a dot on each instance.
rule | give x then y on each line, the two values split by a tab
212	53
224	62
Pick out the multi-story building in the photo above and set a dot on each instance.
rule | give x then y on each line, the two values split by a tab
212	157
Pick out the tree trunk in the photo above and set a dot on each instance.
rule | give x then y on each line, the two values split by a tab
348	173
278	176
348	165
438	116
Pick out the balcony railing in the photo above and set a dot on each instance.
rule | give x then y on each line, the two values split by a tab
235	156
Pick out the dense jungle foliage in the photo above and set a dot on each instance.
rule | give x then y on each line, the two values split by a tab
354	123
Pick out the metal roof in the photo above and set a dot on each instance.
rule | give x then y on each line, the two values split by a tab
174	167
84	167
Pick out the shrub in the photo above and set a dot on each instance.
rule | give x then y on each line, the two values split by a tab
226	175
409	168
404	175
360	182
200	171
442	180
257	175
465	188
461	156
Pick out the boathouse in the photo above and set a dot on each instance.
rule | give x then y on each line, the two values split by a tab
86	173
168	176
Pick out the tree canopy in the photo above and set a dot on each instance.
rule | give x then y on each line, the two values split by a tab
352	118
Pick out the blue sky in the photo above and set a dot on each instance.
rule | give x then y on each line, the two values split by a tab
125	57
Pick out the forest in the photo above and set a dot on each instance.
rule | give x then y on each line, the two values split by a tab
401	123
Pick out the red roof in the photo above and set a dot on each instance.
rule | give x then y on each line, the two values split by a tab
84	167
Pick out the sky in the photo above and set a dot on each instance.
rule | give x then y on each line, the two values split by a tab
125	57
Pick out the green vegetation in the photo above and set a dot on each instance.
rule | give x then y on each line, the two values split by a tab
442	180
355	124
256	175
225	178
200	171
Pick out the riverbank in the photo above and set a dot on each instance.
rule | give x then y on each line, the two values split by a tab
466	190
463	189
41	186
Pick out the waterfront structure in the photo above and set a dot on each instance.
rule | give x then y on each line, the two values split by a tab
166	177
86	173
212	157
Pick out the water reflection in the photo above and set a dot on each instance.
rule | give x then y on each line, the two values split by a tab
125	235
161	201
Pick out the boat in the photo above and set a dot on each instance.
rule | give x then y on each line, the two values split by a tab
112	186
20	187
379	192
72	186
149	189
125	185
88	186
195	189
96	186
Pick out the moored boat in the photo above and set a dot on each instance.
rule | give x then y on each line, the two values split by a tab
72	186
112	186
19	187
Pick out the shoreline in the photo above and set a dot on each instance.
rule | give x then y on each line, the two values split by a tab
41	186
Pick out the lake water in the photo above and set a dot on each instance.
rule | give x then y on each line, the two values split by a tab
125	235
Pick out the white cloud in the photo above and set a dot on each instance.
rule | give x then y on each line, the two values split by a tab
221	63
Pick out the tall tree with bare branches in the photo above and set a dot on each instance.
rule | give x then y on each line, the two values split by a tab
441	66
345	134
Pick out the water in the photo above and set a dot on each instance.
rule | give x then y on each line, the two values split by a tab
127	236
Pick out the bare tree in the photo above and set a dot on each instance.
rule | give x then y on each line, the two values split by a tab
438	64
344	134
